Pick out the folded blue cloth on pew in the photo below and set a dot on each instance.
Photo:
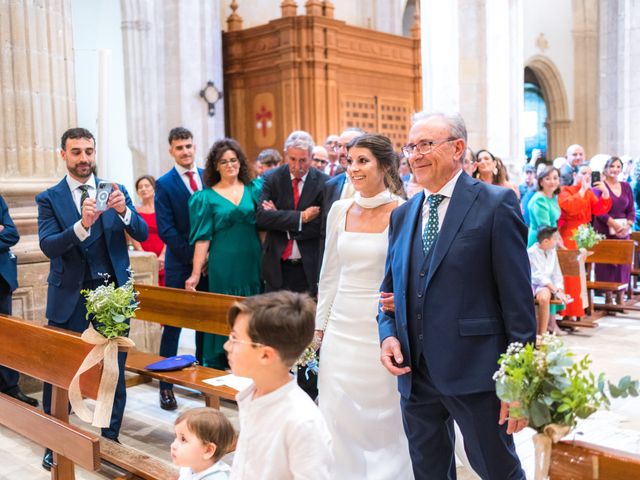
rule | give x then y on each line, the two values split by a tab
172	363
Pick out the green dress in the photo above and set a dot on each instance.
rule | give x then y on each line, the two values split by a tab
234	253
542	211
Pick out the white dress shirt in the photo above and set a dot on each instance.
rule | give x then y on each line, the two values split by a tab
447	192
295	251
185	178
545	267
283	436
217	471
76	193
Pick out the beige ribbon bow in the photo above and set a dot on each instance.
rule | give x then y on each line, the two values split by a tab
542	443
106	349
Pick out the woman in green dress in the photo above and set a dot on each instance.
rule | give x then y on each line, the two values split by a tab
543	206
223	227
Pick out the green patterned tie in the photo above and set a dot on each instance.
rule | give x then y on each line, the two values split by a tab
431	228
85	194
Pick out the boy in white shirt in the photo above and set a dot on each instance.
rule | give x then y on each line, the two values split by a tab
282	433
546	277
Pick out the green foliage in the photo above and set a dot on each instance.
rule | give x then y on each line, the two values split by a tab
586	237
110	307
553	388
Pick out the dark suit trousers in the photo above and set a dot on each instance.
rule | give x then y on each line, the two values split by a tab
8	377
171	335
78	323
428	422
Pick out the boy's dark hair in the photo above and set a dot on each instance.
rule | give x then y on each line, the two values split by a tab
545	232
269	156
281	320
74	133
179	133
210	426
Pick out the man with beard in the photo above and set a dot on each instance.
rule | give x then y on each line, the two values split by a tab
83	244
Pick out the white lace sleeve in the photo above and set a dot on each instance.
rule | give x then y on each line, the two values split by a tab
330	271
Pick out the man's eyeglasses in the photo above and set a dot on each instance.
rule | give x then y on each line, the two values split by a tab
233	339
424	147
337	147
232	161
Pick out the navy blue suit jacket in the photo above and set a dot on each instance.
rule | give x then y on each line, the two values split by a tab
478	295
8	238
172	216
57	213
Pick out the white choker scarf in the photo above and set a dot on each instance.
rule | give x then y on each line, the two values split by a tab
381	198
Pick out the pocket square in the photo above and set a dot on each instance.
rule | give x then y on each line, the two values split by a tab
172	363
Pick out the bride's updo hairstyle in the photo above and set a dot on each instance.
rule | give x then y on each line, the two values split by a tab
382	149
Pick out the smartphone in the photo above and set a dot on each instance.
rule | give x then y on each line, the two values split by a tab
102	196
595	177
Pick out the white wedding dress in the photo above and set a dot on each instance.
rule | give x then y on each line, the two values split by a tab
357	395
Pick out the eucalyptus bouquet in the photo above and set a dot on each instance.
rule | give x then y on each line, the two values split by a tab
110	307
309	359
586	237
553	391
551	387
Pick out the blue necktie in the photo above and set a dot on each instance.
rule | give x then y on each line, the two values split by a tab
430	231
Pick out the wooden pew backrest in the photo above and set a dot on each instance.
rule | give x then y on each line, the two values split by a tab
581	460
612	252
202	311
568	260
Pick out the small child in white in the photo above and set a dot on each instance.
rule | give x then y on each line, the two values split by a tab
282	433
546	278
203	437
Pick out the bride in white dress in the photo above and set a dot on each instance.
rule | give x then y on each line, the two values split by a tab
357	396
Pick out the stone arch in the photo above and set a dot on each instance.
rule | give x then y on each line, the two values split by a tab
558	123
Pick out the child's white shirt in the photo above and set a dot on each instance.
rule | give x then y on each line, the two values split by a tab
545	267
283	436
217	471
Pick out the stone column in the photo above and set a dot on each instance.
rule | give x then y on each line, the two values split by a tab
37	95
585	75
619	78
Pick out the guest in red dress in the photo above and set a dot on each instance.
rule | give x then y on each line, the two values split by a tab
146	188
578	203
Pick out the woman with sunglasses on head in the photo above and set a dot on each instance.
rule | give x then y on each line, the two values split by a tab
223	229
358	398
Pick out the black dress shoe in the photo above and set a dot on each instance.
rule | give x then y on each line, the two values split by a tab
167	400
18	395
47	460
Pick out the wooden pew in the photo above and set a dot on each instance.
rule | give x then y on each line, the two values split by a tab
609	252
635	270
202	311
573	460
52	356
570	266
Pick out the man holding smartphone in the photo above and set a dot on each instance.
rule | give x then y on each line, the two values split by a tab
84	242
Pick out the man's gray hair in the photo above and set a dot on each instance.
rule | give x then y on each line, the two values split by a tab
299	139
454	120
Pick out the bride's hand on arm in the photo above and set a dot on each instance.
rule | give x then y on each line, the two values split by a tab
386	302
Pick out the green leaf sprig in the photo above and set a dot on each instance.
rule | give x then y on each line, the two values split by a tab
553	388
586	237
110	307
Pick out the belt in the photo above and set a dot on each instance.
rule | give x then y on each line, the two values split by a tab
293	261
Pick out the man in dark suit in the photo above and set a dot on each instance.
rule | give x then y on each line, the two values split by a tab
173	191
83	244
458	269
8	283
290	214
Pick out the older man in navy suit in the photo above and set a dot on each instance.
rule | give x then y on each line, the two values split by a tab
8	283
173	191
83	244
458	270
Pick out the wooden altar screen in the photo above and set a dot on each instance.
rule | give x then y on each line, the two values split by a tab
315	73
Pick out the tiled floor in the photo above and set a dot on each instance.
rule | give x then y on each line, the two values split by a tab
614	347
